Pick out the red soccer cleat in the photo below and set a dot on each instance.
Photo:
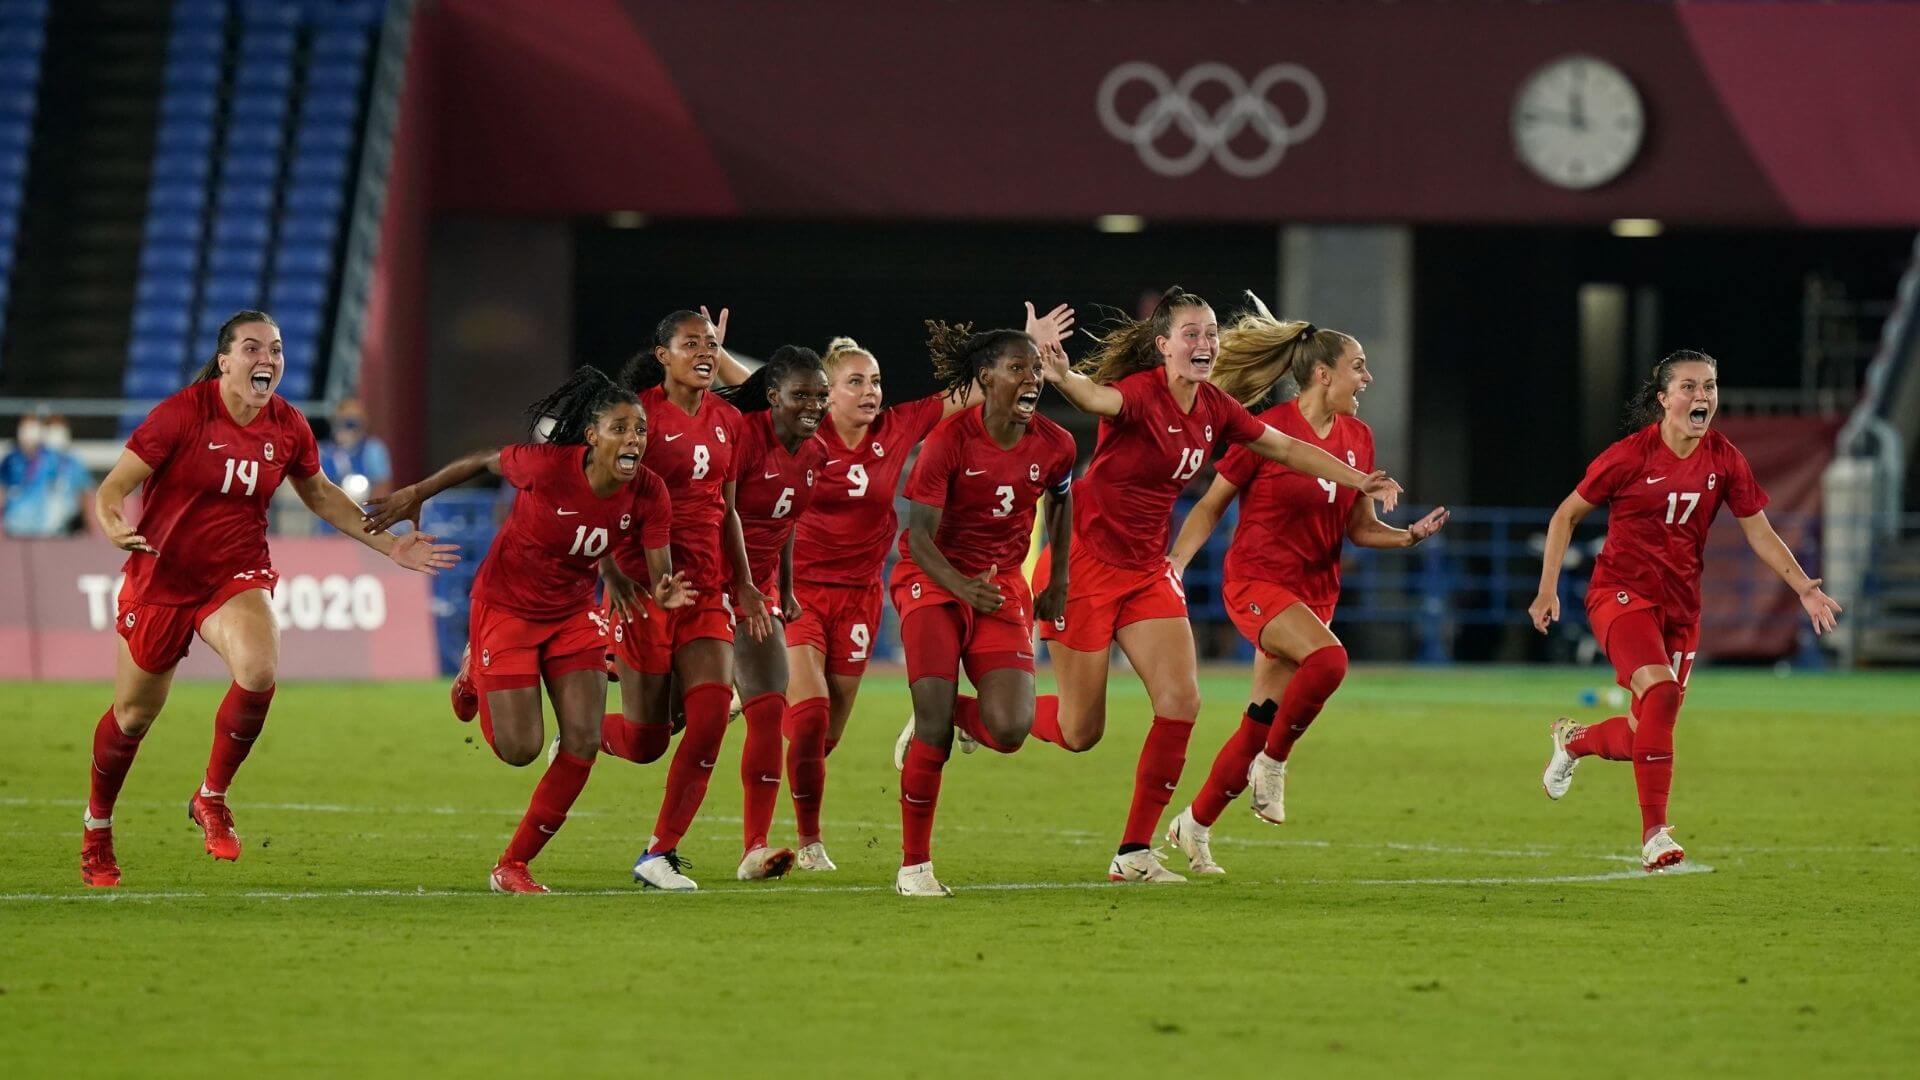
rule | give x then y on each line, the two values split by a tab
510	876
98	869
216	820
466	700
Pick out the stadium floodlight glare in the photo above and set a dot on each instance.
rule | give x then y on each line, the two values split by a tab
1120	223
1637	227
626	219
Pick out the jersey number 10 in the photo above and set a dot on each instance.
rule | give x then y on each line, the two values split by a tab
590	544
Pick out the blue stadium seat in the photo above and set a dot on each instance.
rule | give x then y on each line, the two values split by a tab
172	227
169	259
241	228
200	13
334	78
23	11
338	45
264	43
15	135
13	166
298	292
317	198
151	382
244	196
308	228
196	43
322	168
183	136
238	259
19	71
257	168
17	105
297	386
269	74
269	13
191	73
22	38
165	320
157	352
302	260
160	289
344	14
324	106
312	137
254	136
200	105
230	293
299	322
258	108
181	166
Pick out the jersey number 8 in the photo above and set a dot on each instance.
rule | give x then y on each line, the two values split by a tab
702	460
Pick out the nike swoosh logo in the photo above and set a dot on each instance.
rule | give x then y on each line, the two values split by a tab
771	476
1169	787
546	830
565	513
706	764
765	779
1655	479
917	802
976	472
1659	757
670	438
216	446
1175	430
833	461
237	737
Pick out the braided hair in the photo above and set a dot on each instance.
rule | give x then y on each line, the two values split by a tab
1643	407
1131	345
574	405
224	343
786	362
643	370
960	355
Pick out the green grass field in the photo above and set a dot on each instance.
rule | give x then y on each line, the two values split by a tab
1426	911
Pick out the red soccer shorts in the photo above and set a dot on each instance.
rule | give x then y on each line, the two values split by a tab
984	643
839	620
1102	598
1633	633
1253	604
159	635
508	649
648	642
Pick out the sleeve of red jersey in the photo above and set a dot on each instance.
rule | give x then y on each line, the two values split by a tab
1745	496
917	417
1237	425
1134	391
1365	452
1606	474
153	441
928	482
522	463
306	452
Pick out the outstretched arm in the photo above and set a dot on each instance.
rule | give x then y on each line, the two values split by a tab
1774	551
414	551
403	504
1366	529
1545	609
1200	523
1277	445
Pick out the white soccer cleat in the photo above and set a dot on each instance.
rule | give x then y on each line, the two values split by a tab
964	742
1143	865
1267	787
1192	839
553	749
1559	775
918	880
662	872
814	857
736	710
1661	852
900	746
765	862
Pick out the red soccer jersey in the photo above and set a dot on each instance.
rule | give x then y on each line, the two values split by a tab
545	561
1658	510
205	506
986	495
695	455
1292	525
1141	462
774	489
843	538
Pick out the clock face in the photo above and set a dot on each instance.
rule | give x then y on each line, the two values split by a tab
1577	122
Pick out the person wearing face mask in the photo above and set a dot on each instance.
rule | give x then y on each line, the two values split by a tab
1283	568
43	486
355	455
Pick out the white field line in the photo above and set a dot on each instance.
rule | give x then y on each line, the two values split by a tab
103	896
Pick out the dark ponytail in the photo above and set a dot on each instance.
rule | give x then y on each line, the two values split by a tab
960	355
575	404
1643	407
1131	345
786	362
224	343
644	371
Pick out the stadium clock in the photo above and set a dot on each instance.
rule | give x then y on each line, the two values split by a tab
1578	122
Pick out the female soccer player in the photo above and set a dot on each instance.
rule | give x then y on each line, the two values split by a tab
958	585
839	548
208	460
1283	568
693	445
583	497
1662	486
782	404
1160	420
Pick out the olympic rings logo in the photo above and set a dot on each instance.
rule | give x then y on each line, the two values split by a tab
1173	106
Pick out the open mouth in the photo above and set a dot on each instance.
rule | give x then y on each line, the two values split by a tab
1203	363
1698	415
261	380
626	463
703	368
809	420
869	408
1026	403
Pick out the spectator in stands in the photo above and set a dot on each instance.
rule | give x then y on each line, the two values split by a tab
353	457
43	487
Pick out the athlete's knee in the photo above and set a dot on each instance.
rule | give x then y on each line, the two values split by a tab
133	717
254	669
1180	701
1645	679
1009	725
516	752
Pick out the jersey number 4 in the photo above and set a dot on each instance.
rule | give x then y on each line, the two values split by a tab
247	472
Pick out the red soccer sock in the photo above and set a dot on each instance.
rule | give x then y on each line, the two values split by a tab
1228	777
1046	720
1155	778
760	766
1653	752
806	724
113	752
553	796
693	763
236	725
919	796
1611	739
642	744
1313	682
966	717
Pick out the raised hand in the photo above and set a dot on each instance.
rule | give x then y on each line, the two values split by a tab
417	551
1544	611
1051	328
719	324
1821	608
1382	487
1429	525
385	511
982	593
672	591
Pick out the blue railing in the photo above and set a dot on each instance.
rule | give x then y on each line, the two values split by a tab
1480	572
